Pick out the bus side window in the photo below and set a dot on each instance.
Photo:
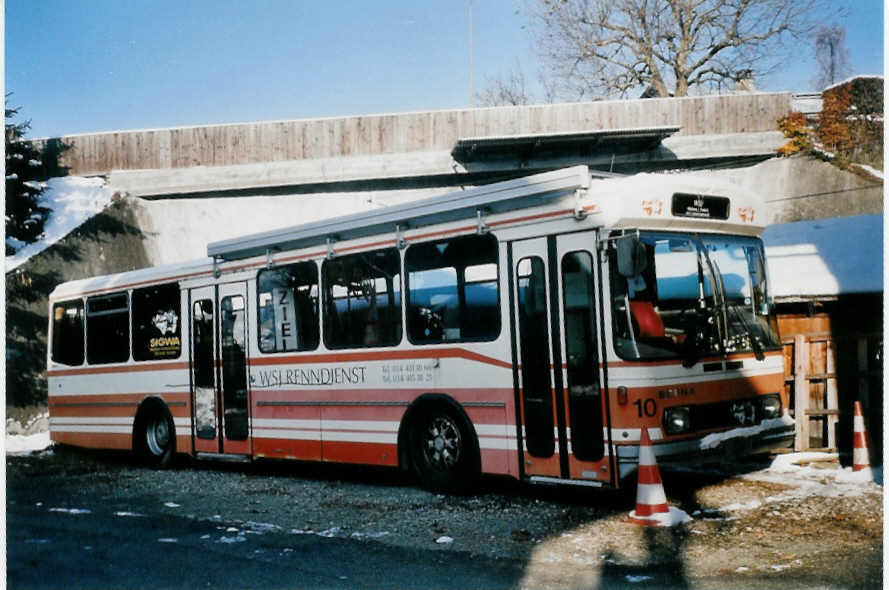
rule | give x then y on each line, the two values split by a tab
67	333
156	323
108	329
288	308
362	299
452	290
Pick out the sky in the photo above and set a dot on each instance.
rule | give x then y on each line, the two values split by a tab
81	66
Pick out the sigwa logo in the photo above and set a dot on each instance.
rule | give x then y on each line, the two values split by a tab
166	322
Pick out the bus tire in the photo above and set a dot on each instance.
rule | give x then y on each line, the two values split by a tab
154	435
443	448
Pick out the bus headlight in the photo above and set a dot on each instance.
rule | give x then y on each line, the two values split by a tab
677	420
771	406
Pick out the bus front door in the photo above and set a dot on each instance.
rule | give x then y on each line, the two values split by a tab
218	317
562	414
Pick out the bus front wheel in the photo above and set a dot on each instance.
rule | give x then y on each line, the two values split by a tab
444	451
155	437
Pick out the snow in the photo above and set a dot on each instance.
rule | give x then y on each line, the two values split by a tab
855	77
798	470
871	170
825	257
712	441
73	200
674	517
19	444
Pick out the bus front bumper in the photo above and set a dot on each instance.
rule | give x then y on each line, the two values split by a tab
728	446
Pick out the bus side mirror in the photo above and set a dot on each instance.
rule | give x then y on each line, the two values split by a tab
631	256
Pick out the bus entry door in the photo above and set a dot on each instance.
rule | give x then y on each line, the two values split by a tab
218	317
562	413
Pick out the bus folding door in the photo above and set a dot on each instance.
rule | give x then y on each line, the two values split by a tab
220	396
562	413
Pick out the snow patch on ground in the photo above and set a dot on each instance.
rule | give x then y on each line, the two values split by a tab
73	200
23	444
674	517
799	471
71	510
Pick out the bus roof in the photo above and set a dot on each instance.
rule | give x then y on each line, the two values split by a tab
685	201
132	278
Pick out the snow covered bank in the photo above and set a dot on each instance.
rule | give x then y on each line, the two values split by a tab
73	200
25	438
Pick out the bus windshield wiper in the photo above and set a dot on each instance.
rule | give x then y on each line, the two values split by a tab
719	300
754	343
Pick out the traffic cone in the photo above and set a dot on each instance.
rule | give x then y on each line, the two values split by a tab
651	501
860	450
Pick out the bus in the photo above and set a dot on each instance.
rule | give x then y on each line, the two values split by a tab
529	328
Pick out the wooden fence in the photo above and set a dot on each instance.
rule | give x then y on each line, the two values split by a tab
223	145
820	390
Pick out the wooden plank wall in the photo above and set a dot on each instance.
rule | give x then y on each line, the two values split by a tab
811	379
223	145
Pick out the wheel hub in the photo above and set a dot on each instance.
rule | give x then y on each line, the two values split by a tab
157	436
443	444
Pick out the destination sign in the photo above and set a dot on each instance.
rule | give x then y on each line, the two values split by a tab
700	206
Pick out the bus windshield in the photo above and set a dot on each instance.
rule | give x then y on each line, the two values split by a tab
691	296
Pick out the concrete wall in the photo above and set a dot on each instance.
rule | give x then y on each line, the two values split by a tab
177	230
801	187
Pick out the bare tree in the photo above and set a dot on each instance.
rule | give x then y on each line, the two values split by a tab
832	56
612	47
503	90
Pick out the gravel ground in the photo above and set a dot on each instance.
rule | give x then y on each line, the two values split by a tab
745	533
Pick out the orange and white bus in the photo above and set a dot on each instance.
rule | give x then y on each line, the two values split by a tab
528	328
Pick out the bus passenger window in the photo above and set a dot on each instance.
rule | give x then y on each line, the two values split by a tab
108	329
67	333
156	323
452	290
362	299
288	308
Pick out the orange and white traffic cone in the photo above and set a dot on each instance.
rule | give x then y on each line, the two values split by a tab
651	501
860	448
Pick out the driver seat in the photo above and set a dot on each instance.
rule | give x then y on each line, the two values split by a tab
647	322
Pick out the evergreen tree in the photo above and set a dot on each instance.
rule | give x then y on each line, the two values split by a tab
25	216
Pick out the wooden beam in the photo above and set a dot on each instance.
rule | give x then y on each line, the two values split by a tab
801	391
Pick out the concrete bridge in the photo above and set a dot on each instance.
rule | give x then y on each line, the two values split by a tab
435	148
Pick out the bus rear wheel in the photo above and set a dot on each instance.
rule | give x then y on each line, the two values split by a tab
444	452
155	437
